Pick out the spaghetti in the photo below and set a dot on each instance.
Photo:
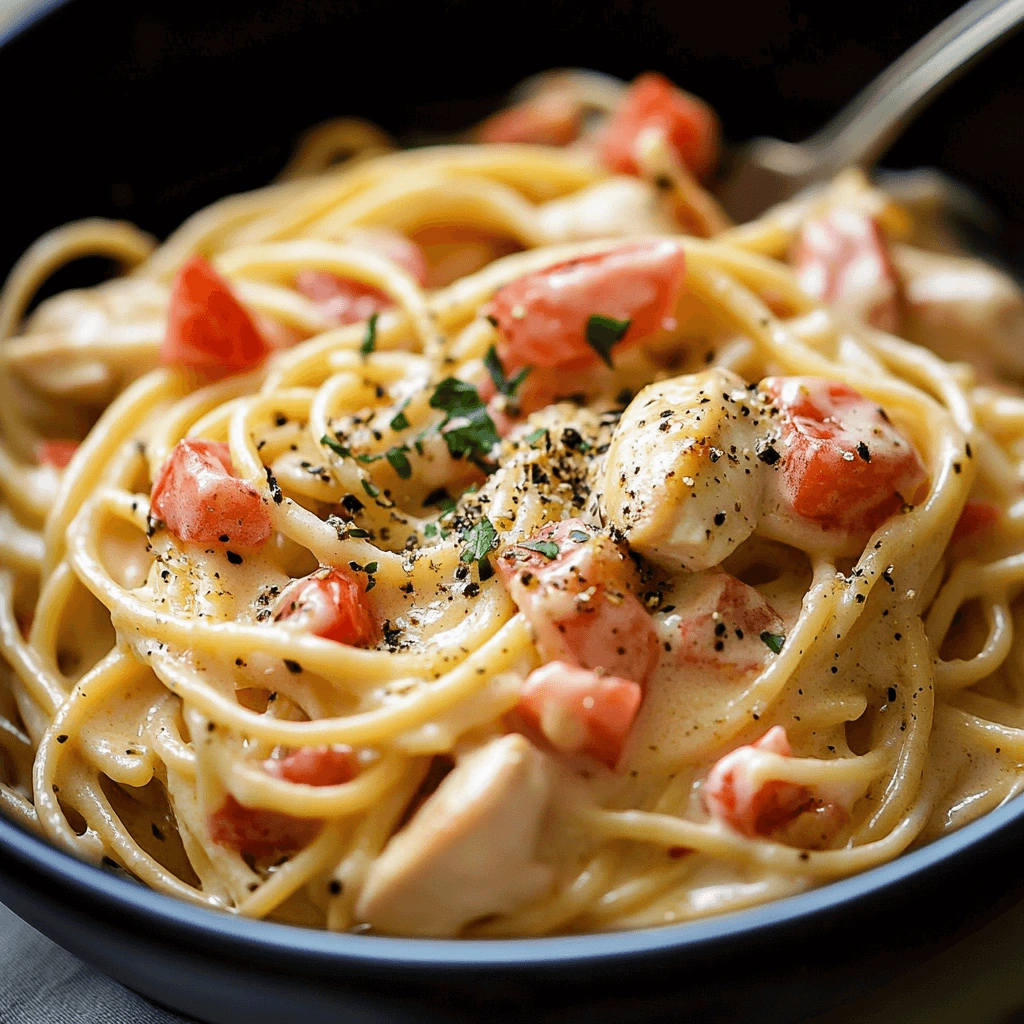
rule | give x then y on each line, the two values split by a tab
491	539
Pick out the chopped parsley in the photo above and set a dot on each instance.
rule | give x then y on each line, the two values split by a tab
479	541
371	488
534	436
399	461
506	385
547	548
603	332
367	459
477	436
455	397
400	421
337	447
370	341
773	641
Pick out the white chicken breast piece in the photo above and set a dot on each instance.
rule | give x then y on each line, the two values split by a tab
682	478
615	208
962	309
469	850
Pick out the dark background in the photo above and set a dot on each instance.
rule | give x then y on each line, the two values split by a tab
149	110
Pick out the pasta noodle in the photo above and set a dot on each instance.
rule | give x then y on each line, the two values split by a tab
726	698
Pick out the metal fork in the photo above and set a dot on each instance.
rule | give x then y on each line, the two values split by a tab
765	171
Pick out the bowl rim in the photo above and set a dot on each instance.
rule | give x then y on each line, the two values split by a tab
110	892
103	889
34	10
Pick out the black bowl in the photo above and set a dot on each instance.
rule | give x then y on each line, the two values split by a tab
167	106
776	963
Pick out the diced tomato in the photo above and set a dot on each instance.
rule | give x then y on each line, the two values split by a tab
543	316
844	465
977	518
577	603
722	625
756	808
315	766
200	500
262	833
842	259
579	711
331	603
56	453
208	330
344	300
652	101
549	120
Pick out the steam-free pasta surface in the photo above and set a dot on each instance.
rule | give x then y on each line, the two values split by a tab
492	539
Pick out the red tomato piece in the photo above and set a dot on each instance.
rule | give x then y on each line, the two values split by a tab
577	603
543	316
200	500
755	808
331	603
977	518
579	711
344	300
842	259
315	766
208	330
551	120
844	465
721	627
262	833
57	453
652	101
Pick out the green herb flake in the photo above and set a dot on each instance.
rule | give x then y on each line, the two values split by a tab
603	332
473	439
370	567
370	341
534	436
400	421
367	459
506	385
336	447
547	548
455	397
371	488
773	641
400	461
579	536
479	541
430	530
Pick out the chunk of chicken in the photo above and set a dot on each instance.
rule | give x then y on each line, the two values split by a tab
682	477
962	309
469	850
618	207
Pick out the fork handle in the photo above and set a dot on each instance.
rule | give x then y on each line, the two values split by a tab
865	128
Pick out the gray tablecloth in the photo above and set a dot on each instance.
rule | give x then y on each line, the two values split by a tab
41	984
